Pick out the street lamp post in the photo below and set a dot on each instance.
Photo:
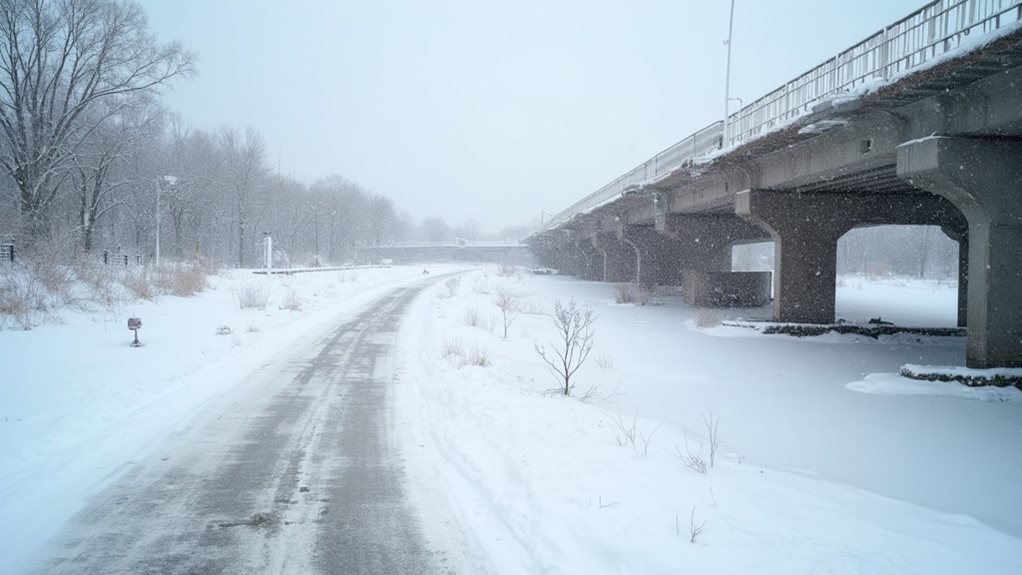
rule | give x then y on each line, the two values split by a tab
727	75
542	219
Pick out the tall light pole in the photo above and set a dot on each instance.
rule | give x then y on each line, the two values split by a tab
170	180
727	74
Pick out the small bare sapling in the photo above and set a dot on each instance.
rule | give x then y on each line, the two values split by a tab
694	529
509	307
573	344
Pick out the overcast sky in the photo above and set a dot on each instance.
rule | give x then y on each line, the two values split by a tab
489	110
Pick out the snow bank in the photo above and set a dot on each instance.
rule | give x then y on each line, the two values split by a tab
896	384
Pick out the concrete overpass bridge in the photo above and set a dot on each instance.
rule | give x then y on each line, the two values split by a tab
921	123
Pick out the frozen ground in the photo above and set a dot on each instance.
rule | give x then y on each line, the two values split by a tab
813	475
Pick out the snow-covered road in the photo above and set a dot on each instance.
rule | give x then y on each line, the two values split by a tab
292	471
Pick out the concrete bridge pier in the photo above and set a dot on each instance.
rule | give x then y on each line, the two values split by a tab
659	255
961	235
805	229
623	258
983	178
591	262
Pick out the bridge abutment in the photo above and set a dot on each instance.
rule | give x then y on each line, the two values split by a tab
983	178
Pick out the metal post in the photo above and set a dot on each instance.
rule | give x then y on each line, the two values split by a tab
727	76
159	186
269	253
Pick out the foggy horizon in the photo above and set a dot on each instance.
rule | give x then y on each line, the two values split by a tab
494	113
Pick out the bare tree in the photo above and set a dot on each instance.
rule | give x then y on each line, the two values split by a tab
58	60
509	307
246	165
94	174
435	230
574	342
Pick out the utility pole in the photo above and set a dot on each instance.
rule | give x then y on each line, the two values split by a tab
727	76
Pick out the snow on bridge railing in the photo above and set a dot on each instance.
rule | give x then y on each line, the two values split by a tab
667	161
920	38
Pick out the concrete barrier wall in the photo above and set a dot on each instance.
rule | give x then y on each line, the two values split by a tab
726	289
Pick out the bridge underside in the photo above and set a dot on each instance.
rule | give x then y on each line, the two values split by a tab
942	147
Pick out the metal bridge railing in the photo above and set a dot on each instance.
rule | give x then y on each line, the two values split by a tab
908	44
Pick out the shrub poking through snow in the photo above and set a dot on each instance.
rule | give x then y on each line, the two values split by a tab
252	296
474	318
509	308
713	435
574	342
694	529
631	293
451	346
706	317
507	270
291	301
605	361
478	356
452	285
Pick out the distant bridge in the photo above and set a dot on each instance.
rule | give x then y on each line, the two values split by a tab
461	251
921	123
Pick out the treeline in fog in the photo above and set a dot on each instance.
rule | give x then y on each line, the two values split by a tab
92	160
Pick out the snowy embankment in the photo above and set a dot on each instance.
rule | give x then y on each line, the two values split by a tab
78	405
810	477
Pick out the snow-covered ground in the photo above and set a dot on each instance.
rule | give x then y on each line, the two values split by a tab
78	405
813	475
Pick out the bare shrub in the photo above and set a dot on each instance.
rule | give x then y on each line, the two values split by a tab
452	284
291	301
694	461
631	293
97	279
712	434
509	308
574	326
17	301
139	282
252	296
605	361
695	530
632	435
706	318
472	317
507	270
181	279
478	356
452	346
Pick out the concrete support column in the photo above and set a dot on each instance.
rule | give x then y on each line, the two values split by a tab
805	229
660	256
983	178
622	259
592	261
961	235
